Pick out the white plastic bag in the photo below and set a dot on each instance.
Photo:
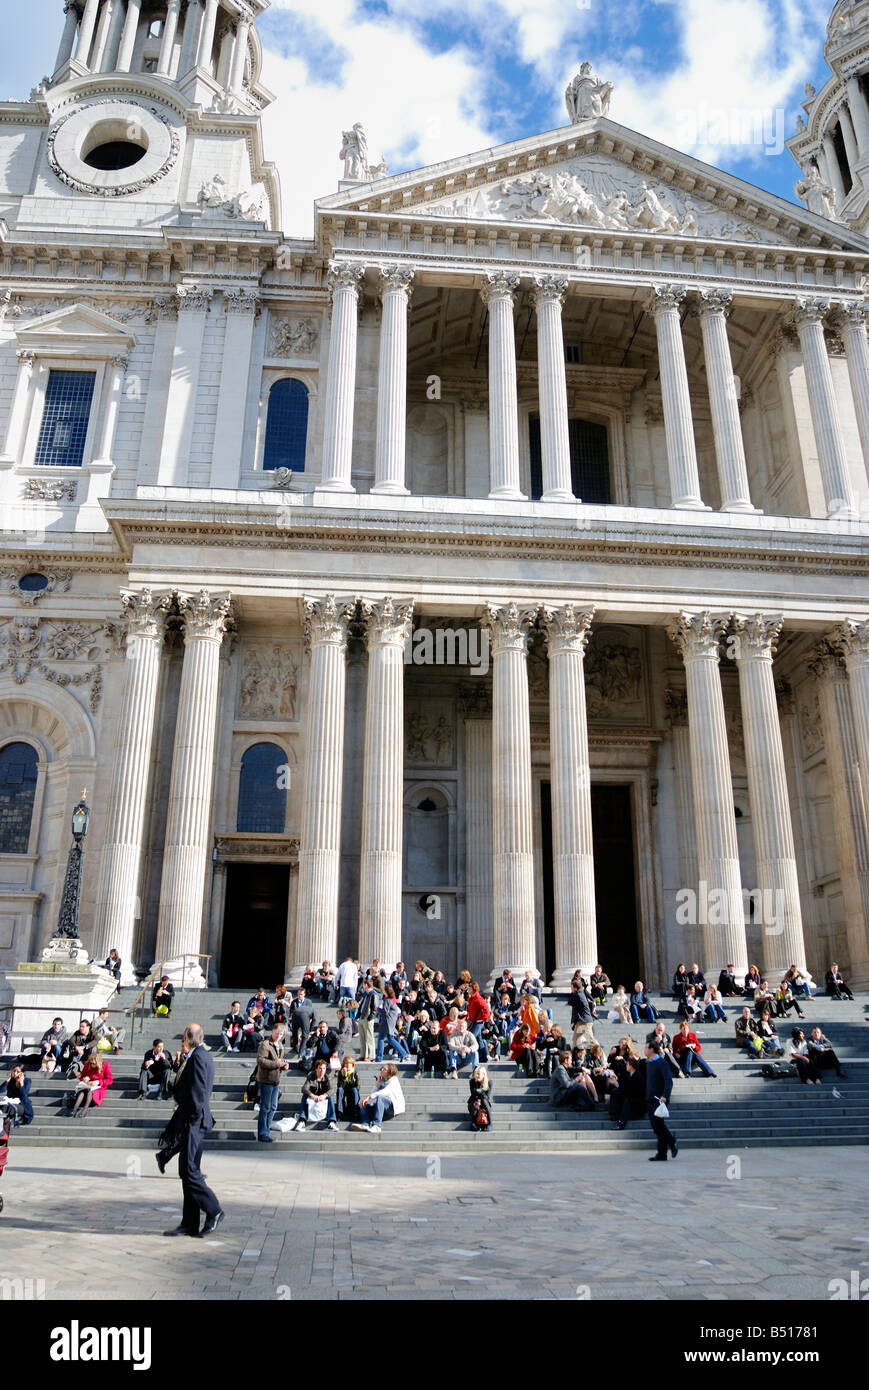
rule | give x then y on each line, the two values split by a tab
282	1126
662	1113
317	1109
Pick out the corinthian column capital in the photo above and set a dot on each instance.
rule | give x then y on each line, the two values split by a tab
144	612
550	289
509	626
755	636
344	276
205	615
854	315
388	621
396	277
327	620
809	309
852	639
697	635
664	298
827	662
499	286
714	302
567	628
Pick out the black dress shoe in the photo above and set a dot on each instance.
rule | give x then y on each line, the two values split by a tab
658	1158
265	1139
181	1231
675	1148
212	1223
161	1162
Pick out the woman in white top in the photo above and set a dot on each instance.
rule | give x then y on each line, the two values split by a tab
620	1007
713	1007
798	1053
384	1102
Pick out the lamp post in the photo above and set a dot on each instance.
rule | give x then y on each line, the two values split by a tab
67	921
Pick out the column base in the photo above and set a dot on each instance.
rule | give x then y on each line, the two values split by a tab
689	504
559	495
517	971
744	507
560	981
507	494
843	514
184	972
334	485
390	490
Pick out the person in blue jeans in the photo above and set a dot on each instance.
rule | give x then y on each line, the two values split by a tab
686	1050
270	1066
384	1102
641	1007
387	1028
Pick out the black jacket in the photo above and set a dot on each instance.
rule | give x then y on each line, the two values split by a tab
580	1007
193	1090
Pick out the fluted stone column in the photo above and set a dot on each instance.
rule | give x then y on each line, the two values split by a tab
834	173
104	26
396	282
344	288
128	35
549	295
236	79
326	622
86	31
14	441
678	421
206	34
846	793
676	702
833	461
388	624
117	901
713	311
476	706
167	42
190	38
503	397
781	913
859	115
853	640
180	408
850	139
853	329
188	821
241	307
567	633
512	812
106	442
64	52
697	637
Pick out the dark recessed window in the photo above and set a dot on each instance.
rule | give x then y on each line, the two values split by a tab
114	154
33	583
262	794
427	805
19	766
589	461
286	426
573	354
65	418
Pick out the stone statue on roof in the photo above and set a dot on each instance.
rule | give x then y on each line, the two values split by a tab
586	96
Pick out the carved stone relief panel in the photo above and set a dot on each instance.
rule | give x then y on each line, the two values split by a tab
269	682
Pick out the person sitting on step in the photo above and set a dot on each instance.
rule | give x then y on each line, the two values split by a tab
347	1091
713	1008
113	964
93	1083
260	1003
546	1047
798	1053
764	999
580	1070
688	1052
163	997
522	1051
680	981
385	1101
690	1007
697	978
463	1051
641	1005
620	1006
727	983
480	1101
156	1070
821	1052
835	984
785	1000
51	1045
801	983
629	1101
753	982
432	1053
324	981
564	1092
253	1031
660	1036
78	1049
599	985
317	1105
17	1094
230	1028
769	1038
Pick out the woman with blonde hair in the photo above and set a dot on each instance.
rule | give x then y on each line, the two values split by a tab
480	1101
620	1007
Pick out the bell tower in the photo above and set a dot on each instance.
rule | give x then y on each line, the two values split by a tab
831	144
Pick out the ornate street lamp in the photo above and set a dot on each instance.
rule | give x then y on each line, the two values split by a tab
67	922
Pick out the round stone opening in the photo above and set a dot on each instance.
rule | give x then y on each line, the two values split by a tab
112	145
33	583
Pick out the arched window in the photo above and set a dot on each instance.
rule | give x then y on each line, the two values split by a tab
19	769
286	426
262	790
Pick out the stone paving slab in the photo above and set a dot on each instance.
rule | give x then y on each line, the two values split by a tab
367	1227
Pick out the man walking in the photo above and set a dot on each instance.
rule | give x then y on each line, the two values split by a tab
270	1065
659	1088
302	1020
581	1016
194	1120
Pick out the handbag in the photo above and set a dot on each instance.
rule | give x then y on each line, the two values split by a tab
662	1113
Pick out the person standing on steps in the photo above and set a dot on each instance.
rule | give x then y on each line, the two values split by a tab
194	1120
659	1088
365	1019
270	1066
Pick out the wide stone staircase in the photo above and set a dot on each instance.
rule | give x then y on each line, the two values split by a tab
739	1108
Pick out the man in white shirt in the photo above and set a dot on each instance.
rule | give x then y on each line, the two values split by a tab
347	979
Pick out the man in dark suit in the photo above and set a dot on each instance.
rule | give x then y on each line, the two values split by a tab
193	1116
659	1087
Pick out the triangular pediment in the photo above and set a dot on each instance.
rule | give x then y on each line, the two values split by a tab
603	177
78	324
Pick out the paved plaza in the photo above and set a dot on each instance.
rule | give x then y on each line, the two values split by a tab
391	1226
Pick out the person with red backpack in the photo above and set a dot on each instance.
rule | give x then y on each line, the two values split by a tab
479	1013
480	1101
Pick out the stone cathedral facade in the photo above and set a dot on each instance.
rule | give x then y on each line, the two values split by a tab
485	579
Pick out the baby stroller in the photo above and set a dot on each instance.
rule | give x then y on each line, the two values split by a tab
7	1119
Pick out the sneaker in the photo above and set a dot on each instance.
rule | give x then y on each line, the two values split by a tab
300	1126
332	1125
360	1128
374	1129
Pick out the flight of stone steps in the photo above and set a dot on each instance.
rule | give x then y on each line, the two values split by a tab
739	1108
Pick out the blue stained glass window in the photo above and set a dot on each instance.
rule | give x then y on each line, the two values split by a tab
286	426
262	790
19	769
65	419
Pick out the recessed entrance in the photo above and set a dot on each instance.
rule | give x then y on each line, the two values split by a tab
614	882
254	943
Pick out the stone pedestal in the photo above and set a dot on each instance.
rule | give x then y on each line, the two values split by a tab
62	984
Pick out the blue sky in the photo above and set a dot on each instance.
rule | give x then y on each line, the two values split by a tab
434	79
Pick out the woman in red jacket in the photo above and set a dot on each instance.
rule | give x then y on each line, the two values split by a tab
522	1050
686	1050
479	1013
95	1079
